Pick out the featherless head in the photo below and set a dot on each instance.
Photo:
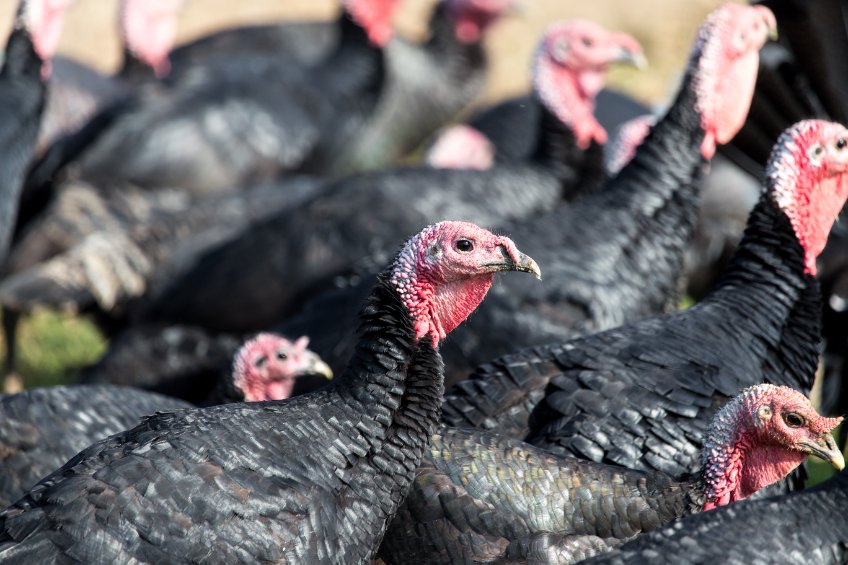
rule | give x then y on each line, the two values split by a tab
444	272
266	367
472	17
43	20
375	17
759	437
569	71
808	177
724	62
461	147
628	138
149	29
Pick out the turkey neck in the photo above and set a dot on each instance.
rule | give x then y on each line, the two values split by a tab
356	66
666	169
768	295
22	87
579	172
391	378
455	58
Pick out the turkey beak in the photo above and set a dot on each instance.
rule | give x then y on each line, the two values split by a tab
319	367
825	448
521	263
627	56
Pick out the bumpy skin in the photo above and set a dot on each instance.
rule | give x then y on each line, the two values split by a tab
793	529
211	494
22	99
642	395
505	507
40	429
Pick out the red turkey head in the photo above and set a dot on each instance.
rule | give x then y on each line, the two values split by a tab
725	60
443	273
461	147
149	29
569	71
266	367
808	175
759	437
375	17
472	17
43	20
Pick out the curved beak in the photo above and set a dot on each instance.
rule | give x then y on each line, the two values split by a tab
317	366
826	449
627	56
521	263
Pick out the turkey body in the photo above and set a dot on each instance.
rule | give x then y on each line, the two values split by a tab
184	460
465	506
791	529
43	428
331	237
642	395
304	43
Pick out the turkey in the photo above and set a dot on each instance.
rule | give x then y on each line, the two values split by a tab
75	92
320	475
614	256
801	76
427	84
42	428
327	240
793	529
228	125
26	65
641	395
481	498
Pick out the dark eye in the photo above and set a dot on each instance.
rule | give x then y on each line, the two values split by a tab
587	42
464	245
841	143
793	420
282	356
260	362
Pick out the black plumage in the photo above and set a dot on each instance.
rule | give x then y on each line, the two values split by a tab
798	528
42	428
641	395
331	236
314	478
481	498
203	490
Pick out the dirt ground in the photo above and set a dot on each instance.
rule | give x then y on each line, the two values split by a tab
665	28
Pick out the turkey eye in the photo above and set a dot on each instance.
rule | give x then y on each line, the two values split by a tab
841	143
260	362
281	356
793	420
587	42
464	245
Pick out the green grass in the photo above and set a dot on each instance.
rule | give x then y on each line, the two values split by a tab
52	346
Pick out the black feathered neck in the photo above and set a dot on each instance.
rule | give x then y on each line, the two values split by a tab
444	45
21	58
579	172
134	70
767	286
377	370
